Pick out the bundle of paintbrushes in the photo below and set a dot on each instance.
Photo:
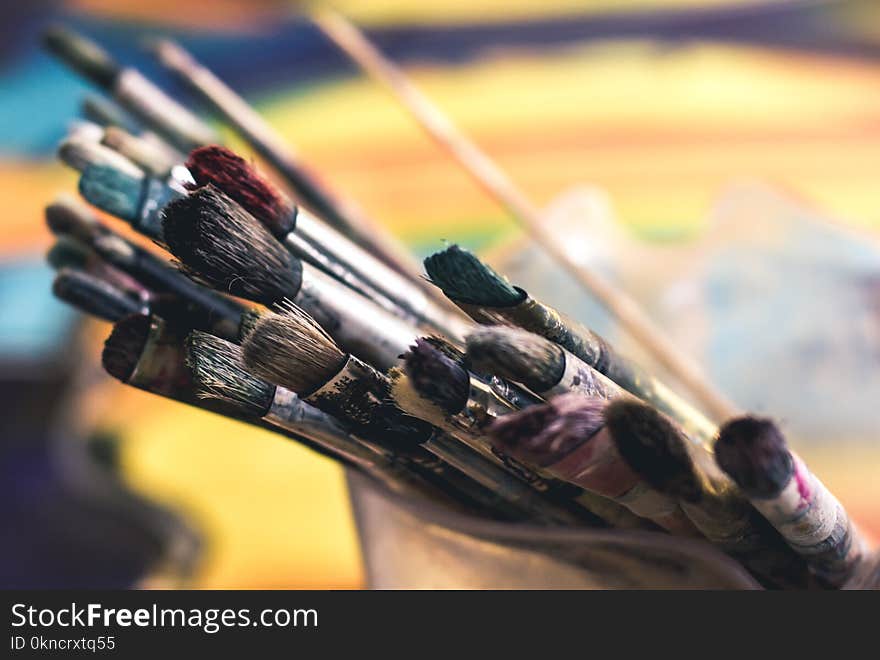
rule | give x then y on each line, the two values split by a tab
306	321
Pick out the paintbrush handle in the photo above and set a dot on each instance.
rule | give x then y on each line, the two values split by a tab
492	179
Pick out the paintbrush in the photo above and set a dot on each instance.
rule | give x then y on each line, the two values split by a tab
82	149
293	351
309	189
148	353
132	195
490	299
754	453
221	245
548	369
130	89
68	218
218	373
656	449
566	437
94	296
68	252
493	180
154	159
435	385
105	300
316	242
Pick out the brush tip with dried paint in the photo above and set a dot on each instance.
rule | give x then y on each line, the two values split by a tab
227	171
544	434
291	349
654	447
93	296
464	278
221	244
754	453
67	216
517	355
123	348
68	252
436	376
114	190
218	373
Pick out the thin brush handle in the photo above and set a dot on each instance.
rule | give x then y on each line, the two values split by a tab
498	481
371	274
501	187
359	325
260	135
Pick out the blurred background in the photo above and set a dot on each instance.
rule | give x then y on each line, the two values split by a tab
718	159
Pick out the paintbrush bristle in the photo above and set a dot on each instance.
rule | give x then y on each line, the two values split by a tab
79	153
68	252
68	216
544	434
517	355
93	296
437	377
410	401
218	373
753	452
222	245
226	171
654	447
292	350
117	191
81	54
247	323
464	278
123	348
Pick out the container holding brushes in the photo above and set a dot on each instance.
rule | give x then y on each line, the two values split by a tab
489	440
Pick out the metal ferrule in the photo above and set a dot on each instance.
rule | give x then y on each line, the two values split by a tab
161	368
729	528
578	376
156	194
354	394
356	323
162	113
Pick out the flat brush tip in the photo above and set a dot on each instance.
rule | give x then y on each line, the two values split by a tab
68	216
517	355
544	434
464	278
754	453
218	373
221	244
654	447
93	296
437	376
227	171
113	190
123	348
292	350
